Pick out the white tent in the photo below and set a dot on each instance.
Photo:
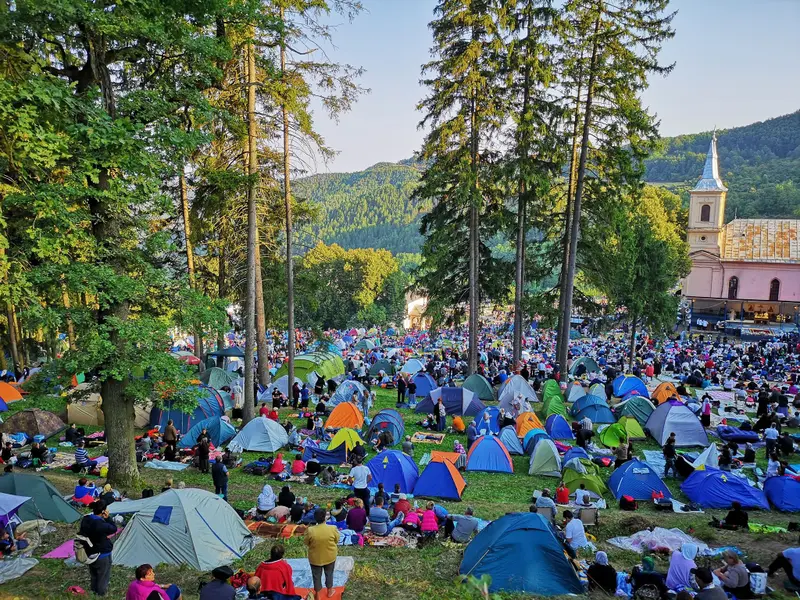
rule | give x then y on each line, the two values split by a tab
576	392
190	526
709	458
282	383
513	387
260	435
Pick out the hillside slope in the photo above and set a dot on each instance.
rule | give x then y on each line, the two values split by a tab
760	164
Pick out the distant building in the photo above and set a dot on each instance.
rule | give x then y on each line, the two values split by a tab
747	271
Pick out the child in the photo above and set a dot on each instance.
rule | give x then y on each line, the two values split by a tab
430	524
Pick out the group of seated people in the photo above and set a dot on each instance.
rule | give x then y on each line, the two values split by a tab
87	492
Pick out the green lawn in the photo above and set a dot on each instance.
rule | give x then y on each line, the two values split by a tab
394	574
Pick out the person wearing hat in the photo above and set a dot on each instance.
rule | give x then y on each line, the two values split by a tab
219	588
705	583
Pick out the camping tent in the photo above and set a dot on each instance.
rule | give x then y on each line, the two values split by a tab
545	460
345	392
708	458
637	479
46	501
458	401
391	467
664	392
177	527
413	365
712	488
260	435
219	431
33	421
512	387
345	437
326	457
532	438
364	346
209	404
9	506
558	428
382	365
389	419
583	364
675	416
588	474
783	493
218	378
425	385
86	410
586	401
494	416
597	413
508	547
576	392
574	452
508	435
625	384
282	384
613	435
8	393
638	407
526	422
488	453
325	364
480	386
597	389
440	479
346	414
632	428
553	400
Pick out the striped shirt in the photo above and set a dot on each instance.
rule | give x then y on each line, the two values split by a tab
81	456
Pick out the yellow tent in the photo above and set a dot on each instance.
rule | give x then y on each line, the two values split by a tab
345	436
86	411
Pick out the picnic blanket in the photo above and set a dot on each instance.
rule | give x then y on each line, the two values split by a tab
304	584
394	540
284	531
659	540
165	465
60	460
65	550
421	437
11	568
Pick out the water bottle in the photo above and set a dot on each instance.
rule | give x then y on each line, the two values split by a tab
416	505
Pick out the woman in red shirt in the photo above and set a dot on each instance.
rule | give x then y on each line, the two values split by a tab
562	493
276	574
298	466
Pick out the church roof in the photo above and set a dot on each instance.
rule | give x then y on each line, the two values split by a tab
762	240
710	181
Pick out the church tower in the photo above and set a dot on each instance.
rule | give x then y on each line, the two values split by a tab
707	208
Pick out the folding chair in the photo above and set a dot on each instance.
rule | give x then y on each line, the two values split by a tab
589	516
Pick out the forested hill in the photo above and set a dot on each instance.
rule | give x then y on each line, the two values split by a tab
760	164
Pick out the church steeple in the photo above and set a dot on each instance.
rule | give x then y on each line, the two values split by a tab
710	181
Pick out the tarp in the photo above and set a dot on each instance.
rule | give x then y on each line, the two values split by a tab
675	416
526	422
391	467
712	488
46	501
558	428
210	404
545	460
12	568
33	421
493	426
425	385
389	419
219	432
597	413
664	392
783	493
553	400
512	387
260	435
218	378
326	364
457	401
624	384
575	392
638	407
637	479
346	414
586	401
440	479
508	435
344	392
488	453
480	386
583	365
508	547
189	526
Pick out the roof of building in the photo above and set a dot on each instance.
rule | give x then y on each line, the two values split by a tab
762	240
710	181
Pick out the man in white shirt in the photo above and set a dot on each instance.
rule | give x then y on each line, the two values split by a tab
586	423
582	496
574	531
361	478
771	438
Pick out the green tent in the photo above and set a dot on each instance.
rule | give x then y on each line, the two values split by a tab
590	478
545	460
480	386
218	378
612	435
326	364
552	399
381	365
632	428
588	362
45	500
638	407
364	346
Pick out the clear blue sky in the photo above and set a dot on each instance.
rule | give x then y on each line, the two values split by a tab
737	61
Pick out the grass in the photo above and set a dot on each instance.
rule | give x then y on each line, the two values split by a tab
428	573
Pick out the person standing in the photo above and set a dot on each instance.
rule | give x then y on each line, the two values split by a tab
295	395
361	478
440	412
219	473
170	434
322	541
401	390
669	457
771	439
97	527
203	452
412	393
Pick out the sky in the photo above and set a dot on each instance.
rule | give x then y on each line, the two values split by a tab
736	62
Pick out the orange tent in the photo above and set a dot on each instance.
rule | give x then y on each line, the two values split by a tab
440	456
346	414
663	392
8	393
440	479
527	421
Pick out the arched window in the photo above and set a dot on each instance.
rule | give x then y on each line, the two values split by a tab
705	213
733	288
774	290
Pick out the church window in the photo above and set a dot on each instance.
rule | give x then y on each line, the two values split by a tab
774	290
733	288
705	213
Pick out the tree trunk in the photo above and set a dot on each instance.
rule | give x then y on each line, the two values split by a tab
248	410
120	431
474	245
222	290
634	322
520	276
287	200
261	322
187	240
576	209
16	356
3	364
70	326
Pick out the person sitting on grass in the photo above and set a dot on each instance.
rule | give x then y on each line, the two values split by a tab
339	512
40	455
82	457
357	516
85	492
286	497
144	586
562	493
460	528
266	500
734	576
276	574
602	576
430	523
681	563
379	521
381	493
789	561
298	466
574	532
646	575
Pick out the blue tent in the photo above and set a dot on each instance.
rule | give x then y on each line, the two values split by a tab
508	435
425	384
389	419
597	413
585	402
488	453
209	405
391	467
3	405
783	493
327	457
558	428
440	479
494	424
219	432
532	438
344	392
624	384
458	401
712	488
507	549
637	479
574	452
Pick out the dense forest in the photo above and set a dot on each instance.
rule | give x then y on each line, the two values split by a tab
760	164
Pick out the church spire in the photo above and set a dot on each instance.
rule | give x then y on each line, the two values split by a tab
710	181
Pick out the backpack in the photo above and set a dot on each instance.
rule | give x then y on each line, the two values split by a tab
80	545
627	503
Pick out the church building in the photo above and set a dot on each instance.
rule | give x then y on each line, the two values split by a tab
745	272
